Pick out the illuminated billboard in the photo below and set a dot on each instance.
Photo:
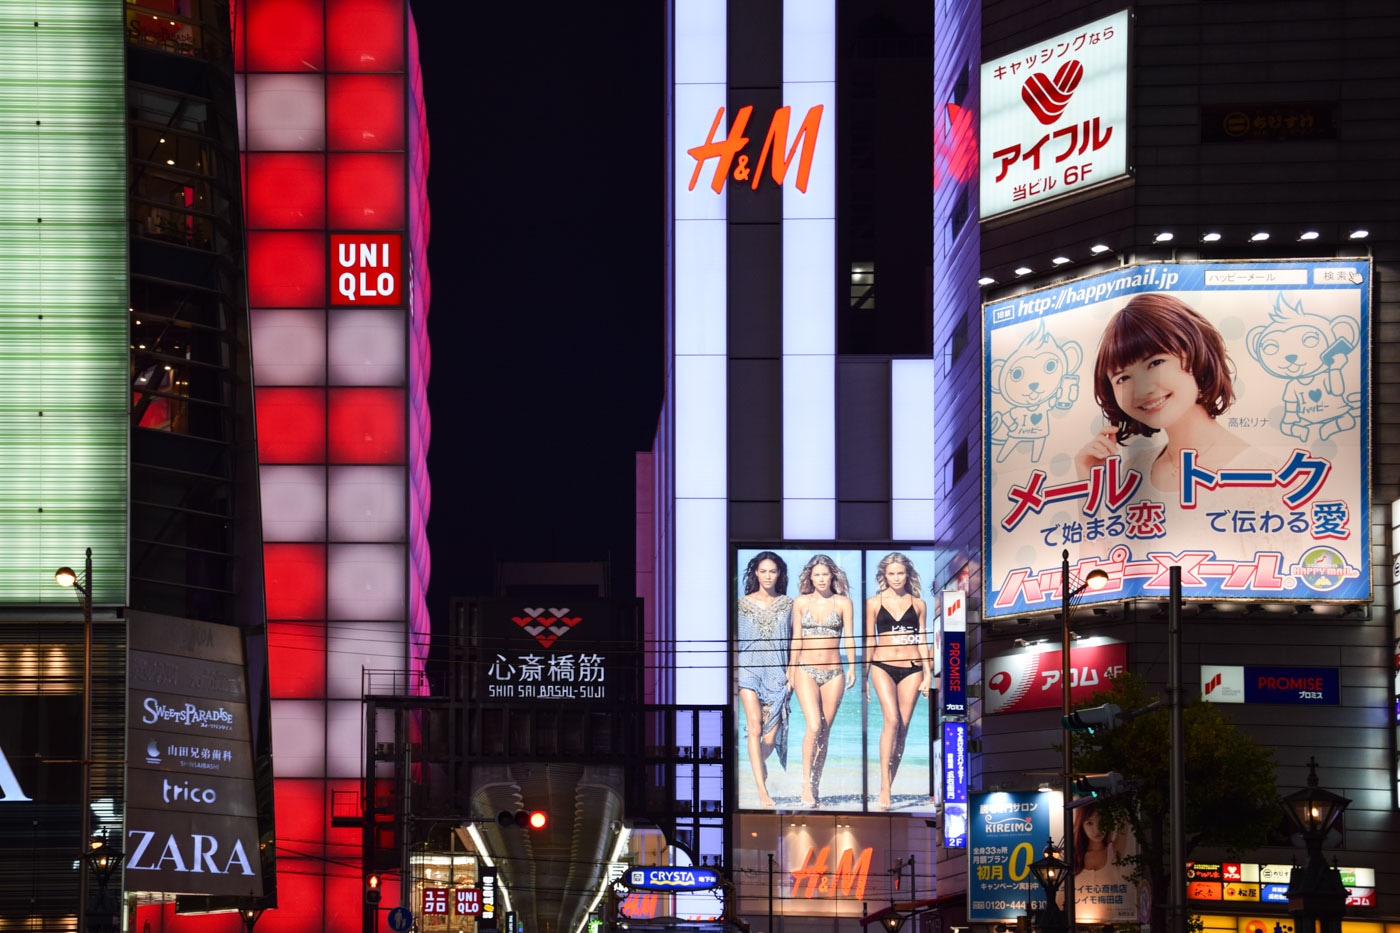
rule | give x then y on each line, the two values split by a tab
1055	116
1214	416
832	658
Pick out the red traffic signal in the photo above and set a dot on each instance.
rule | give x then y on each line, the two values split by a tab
372	892
522	819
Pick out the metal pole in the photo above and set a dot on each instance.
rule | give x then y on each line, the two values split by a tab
770	893
1177	905
85	819
1067	778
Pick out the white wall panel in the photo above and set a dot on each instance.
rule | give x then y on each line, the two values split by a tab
293	503
289	347
366	348
367	503
299	738
286	112
345	739
702	601
366	581
352	647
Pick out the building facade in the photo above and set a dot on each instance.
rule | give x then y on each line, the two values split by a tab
219	182
833	377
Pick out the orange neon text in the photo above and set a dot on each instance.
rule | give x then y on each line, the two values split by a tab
730	149
848	880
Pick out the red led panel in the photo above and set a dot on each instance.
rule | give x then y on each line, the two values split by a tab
364	35
296	580
297	660
285	270
284	35
301	814
366	191
285	190
367	426
301	893
291	425
364	113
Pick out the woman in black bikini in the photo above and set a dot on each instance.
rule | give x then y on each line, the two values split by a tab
823	660
899	665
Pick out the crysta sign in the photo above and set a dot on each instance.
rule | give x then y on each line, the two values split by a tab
672	879
1055	116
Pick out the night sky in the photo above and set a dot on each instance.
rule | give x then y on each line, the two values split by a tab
546	191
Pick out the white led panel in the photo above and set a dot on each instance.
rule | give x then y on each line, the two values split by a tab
809	447
700	41
366	581
695	109
912	483
293	503
368	503
366	348
286	112
701	391
702	607
289	347
702	263
299	738
354	646
345	739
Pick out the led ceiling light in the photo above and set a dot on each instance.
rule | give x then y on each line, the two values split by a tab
1308	235
1163	237
1098	248
986	280
1060	260
1359	234
1259	237
1024	270
1211	237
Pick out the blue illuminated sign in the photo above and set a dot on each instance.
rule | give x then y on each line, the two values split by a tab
1310	686
672	879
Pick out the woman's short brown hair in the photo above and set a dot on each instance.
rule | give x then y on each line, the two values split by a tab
1156	323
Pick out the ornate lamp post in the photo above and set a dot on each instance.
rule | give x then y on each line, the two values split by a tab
67	577
103	859
1316	896
1051	871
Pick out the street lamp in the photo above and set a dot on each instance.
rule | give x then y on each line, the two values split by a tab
1316	896
65	576
1051	871
103	859
1070	587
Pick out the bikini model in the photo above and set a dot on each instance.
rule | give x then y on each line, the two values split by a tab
814	628
905	630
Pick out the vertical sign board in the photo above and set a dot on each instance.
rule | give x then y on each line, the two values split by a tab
191	814
953	661
955	785
1247	464
1055	116
1006	832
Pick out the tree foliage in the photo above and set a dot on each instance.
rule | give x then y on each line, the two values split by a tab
1232	800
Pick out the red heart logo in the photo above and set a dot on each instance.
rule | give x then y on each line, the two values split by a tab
1048	98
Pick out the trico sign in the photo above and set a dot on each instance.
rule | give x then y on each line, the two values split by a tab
729	155
367	269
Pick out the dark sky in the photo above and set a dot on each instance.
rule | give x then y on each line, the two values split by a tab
546	190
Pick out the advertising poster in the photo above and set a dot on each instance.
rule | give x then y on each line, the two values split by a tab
1007	830
1055	116
1031	679
1214	416
831	656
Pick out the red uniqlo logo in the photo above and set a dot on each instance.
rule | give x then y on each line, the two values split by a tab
434	901
367	269
468	902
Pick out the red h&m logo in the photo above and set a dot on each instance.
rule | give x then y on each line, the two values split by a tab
367	269
1047	98
1214	682
731	147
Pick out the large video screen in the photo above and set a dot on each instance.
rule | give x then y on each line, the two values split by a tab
832	654
1214	416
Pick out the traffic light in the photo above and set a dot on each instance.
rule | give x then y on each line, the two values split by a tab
1097	786
372	892
522	819
1095	719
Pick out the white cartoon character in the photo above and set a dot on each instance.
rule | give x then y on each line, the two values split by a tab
1308	352
1035	378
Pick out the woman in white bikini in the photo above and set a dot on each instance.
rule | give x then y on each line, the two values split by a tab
819	674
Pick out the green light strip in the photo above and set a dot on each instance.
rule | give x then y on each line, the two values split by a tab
63	299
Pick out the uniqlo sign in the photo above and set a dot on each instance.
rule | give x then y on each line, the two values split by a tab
434	901
468	902
366	269
1055	116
